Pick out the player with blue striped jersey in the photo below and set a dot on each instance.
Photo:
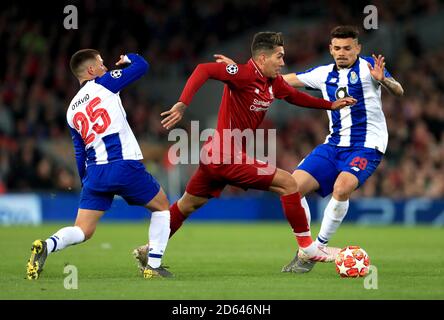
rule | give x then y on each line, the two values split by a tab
358	134
108	160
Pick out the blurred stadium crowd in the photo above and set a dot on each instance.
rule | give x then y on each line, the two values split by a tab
36	85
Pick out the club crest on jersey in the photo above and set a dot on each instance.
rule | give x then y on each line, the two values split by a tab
341	92
232	68
116	73
353	77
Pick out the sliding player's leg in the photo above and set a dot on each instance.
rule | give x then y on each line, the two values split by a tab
83	229
93	204
337	207
138	187
356	165
203	185
200	184
286	186
158	235
306	184
179	211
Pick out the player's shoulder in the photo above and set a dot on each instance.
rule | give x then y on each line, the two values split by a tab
318	69
367	59
82	96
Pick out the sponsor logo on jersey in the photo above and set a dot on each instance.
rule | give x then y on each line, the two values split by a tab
259	105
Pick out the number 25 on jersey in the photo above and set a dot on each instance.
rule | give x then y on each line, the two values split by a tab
83	121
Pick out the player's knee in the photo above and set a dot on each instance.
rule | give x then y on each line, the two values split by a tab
289	185
342	191
159	202
162	203
191	207
188	204
87	231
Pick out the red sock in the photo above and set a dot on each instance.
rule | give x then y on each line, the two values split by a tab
295	214
176	218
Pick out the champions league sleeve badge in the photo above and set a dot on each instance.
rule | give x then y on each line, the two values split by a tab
116	73
232	68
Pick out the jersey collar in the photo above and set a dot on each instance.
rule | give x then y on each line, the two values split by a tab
254	65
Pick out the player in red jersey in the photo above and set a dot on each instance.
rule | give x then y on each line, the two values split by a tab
249	91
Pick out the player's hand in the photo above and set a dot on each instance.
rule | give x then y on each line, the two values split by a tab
173	116
121	61
220	58
377	71
341	103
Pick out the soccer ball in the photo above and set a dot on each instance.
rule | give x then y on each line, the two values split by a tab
352	262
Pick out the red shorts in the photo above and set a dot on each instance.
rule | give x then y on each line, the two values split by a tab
210	179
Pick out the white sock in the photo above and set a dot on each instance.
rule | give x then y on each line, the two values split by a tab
304	204
159	233
334	213
63	238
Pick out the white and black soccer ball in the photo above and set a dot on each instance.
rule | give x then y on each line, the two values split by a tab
232	68
116	73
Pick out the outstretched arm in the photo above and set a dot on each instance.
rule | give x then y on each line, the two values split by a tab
204	71
116	80
293	80
305	100
378	73
174	115
296	97
393	86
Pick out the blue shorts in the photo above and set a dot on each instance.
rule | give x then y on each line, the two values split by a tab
326	162
126	178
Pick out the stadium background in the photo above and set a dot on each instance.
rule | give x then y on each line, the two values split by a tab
36	153
239	258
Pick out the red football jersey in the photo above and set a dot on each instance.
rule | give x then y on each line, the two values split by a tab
247	95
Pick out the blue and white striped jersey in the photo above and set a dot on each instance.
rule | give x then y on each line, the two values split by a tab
99	129
364	123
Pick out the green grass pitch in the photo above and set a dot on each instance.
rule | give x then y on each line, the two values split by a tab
225	261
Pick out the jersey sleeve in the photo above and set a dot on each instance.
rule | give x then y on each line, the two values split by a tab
282	90
232	74
372	62
311	78
80	153
116	80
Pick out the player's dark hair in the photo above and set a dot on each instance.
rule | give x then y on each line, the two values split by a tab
266	41
79	58
344	32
